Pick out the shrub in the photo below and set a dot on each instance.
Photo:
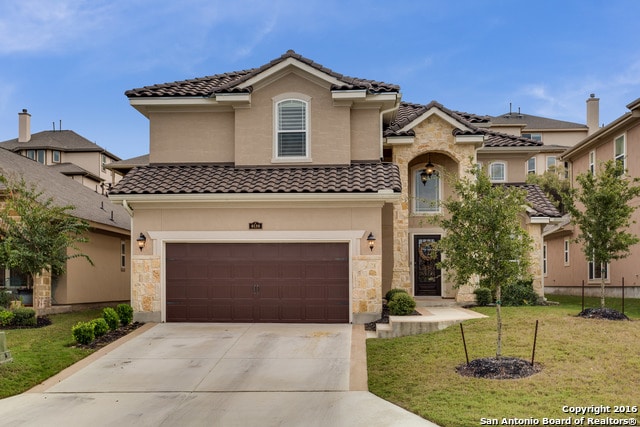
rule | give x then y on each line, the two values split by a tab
83	332
483	296
24	317
519	293
402	304
5	299
100	327
111	317
389	295
125	313
6	317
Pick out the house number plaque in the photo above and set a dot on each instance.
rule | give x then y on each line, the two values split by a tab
255	225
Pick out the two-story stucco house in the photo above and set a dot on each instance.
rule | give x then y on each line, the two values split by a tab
66	152
292	193
566	267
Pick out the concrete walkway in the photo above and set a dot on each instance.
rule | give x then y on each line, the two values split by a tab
215	375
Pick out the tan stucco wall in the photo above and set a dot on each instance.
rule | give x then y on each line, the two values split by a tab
191	137
92	162
515	164
104	281
365	134
566	138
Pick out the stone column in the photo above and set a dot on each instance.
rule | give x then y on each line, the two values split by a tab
42	292
401	248
146	288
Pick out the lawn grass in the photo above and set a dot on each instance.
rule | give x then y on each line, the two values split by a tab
585	362
41	352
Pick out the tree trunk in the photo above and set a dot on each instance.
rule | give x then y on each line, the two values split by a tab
499	322
601	290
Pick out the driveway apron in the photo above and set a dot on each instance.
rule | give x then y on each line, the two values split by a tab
187	374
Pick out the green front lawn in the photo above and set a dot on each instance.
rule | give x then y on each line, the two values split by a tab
41	352
585	362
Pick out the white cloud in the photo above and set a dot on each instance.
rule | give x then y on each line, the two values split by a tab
41	25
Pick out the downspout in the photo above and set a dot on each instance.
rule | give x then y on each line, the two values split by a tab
382	113
127	208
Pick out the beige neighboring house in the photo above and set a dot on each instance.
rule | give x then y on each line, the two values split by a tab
291	193
557	135
108	280
566	265
67	152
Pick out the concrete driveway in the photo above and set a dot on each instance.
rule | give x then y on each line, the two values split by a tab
245	375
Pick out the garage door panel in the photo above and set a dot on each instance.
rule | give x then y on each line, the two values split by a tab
264	282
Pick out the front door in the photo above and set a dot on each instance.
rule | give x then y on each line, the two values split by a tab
427	276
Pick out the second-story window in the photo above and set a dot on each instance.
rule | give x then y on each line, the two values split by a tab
619	153
426	194
55	156
498	171
551	162
534	136
103	161
291	129
41	156
592	162
531	166
31	154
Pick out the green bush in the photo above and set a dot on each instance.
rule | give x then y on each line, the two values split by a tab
125	313
483	296
111	317
519	293
100	327
83	332
24	317
401	304
6	317
5	299
389	295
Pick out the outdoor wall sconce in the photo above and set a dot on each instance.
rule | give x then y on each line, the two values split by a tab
142	241
428	171
372	241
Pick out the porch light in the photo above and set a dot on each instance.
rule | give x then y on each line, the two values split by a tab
428	172
372	241
142	241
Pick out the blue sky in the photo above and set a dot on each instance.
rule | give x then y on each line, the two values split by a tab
72	60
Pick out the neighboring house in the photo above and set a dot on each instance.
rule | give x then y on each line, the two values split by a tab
292	193
66	151
557	135
108	280
566	265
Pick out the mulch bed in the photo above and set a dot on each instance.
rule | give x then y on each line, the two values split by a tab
111	336
602	313
503	368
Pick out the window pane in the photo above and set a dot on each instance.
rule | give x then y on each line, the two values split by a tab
497	171
291	115
427	195
531	165
291	144
56	156
551	161
41	156
31	154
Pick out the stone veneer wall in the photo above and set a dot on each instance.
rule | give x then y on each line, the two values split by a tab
146	288
432	135
42	292
536	257
366	292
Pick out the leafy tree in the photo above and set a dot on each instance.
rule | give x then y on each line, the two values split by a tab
484	239
601	209
554	184
35	234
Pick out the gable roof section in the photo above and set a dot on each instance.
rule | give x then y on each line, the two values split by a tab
63	140
216	179
89	205
232	82
409	114
71	169
531	122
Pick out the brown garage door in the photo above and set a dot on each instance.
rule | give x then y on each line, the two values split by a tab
258	282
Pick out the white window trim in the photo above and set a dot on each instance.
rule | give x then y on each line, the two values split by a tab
566	253
545	256
414	193
624	149
598	279
123	255
504	165
592	162
293	96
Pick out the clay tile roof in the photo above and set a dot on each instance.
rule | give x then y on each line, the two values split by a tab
228	82
214	179
537	200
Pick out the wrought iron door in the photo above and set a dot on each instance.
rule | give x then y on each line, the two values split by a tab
427	276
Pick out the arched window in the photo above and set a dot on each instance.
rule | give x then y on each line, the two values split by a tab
291	129
426	195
